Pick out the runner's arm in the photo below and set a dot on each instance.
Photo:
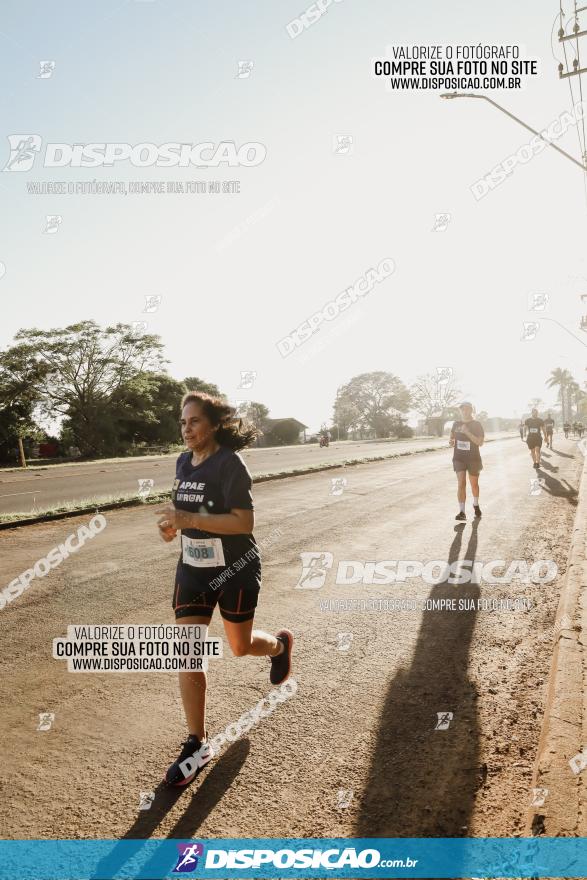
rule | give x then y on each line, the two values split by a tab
478	439
237	522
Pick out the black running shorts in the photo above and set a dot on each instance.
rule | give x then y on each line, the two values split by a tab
534	440
473	467
237	604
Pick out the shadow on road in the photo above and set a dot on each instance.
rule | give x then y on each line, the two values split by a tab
558	488
204	797
545	464
422	781
562	454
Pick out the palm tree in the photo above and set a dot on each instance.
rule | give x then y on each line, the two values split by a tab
562	379
576	394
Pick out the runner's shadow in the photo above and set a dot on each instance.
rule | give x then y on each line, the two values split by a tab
205	795
557	489
422	780
547	465
563	454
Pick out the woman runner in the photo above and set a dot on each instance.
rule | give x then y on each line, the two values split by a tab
212	507
466	436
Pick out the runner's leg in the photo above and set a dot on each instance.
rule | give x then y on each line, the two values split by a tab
461	488
244	640
474	482
192	687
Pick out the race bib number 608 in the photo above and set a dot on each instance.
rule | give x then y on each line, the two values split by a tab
202	552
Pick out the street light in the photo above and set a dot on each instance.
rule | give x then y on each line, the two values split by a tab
448	95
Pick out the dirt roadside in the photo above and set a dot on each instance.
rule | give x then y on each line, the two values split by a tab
559	789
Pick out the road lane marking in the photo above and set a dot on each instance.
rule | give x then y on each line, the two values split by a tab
12	494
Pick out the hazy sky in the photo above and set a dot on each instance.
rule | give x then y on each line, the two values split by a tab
308	222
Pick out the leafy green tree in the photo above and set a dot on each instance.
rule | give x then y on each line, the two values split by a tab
192	383
81	369
19	399
374	402
147	409
282	434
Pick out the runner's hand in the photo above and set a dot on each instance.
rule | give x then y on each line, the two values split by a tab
169	517
167	534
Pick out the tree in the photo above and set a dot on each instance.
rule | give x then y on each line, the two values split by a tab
19	399
435	398
346	415
254	412
575	395
561	379
373	401
147	410
535	403
282	433
192	383
81	367
431	395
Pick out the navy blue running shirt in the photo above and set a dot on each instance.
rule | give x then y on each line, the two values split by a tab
464	449
217	485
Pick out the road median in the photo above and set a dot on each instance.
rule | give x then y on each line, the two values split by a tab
16	520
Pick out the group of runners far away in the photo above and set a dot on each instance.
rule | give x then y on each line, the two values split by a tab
212	510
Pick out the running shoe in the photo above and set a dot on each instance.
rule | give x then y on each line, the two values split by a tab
477	510
461	517
281	665
190	749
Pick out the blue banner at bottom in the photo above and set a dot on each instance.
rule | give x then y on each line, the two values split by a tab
293	857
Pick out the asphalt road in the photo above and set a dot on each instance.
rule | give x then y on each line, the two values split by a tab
41	489
363	719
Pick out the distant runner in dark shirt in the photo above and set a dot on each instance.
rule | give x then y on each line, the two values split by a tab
536	428
466	436
549	430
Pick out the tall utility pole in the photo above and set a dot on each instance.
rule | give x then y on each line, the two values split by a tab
563	38
563	69
565	73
